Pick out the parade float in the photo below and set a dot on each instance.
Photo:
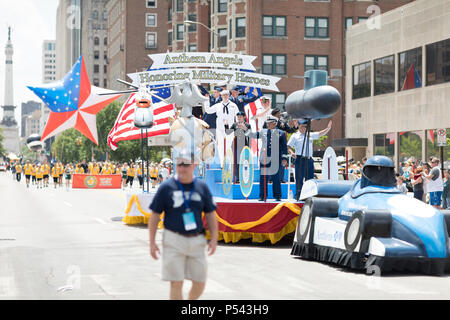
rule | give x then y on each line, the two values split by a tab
239	213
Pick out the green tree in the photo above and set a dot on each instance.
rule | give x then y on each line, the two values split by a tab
410	145
2	148
321	142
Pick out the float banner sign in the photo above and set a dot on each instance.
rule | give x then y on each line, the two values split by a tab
202	59
233	77
104	181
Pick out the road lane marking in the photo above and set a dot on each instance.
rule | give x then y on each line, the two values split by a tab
68	204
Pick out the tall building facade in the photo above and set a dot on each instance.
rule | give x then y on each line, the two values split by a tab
135	30
68	35
27	109
189	26
94	40
399	83
82	30
49	61
8	124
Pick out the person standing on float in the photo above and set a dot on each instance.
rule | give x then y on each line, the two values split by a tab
226	112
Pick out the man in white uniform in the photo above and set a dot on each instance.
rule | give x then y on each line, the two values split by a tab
303	157
226	112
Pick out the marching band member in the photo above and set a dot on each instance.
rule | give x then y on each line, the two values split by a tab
130	175
55	175
27	169
39	175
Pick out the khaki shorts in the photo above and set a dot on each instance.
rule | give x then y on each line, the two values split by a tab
183	257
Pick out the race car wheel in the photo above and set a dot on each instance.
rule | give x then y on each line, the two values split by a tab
304	222
366	224
353	231
314	207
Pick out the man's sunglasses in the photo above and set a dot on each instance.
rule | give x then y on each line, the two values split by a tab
183	164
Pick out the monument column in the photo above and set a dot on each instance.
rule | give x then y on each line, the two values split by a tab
9	124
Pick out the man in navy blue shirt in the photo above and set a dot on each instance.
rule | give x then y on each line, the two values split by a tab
272	156
239	97
182	198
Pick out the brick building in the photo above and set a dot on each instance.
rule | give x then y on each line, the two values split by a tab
135	30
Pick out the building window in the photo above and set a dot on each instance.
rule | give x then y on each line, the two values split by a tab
231	28
410	145
410	69
222	5
278	100
241	24
96	41
151	3
348	22
180	31
150	40
169	14
222	38
180	4
192	26
96	54
170	38
96	68
316	63
316	27
105	69
95	15
274	64
192	48
361	80
151	20
105	15
274	26
384	70
438	62
384	144
105	41
362	19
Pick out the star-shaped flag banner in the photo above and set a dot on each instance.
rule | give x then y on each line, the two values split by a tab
73	103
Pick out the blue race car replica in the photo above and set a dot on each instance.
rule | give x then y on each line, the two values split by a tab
370	223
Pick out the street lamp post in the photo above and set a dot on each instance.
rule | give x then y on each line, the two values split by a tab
188	22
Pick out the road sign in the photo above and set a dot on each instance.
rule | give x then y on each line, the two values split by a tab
441	137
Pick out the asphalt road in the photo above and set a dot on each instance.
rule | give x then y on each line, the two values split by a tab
58	244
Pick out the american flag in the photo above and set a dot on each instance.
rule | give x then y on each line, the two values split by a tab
124	128
256	125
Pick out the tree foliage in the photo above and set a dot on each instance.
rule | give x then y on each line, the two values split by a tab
2	148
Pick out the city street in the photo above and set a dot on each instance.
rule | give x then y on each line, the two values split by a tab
58	244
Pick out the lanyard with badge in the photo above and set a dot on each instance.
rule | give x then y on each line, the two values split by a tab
188	215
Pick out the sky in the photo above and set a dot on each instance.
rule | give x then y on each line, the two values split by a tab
32	22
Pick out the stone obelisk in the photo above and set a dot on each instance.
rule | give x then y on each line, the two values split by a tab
10	129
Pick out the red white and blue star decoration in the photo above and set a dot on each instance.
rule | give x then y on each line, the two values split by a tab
73	103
